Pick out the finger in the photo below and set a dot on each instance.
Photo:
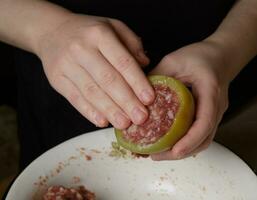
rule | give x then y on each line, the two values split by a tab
113	84
204	124
66	88
168	67
97	97
160	69
166	155
205	144
120	58
131	41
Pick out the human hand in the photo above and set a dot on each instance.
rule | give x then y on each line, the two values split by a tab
202	67
94	63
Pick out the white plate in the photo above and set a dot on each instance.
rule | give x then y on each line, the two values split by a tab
216	174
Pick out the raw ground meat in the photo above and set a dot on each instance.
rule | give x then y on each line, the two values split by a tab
161	116
62	193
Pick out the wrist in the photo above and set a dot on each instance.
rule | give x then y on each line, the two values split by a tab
43	24
231	63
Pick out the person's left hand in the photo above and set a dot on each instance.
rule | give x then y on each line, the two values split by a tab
202	67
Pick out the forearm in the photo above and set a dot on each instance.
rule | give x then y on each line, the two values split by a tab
23	22
237	35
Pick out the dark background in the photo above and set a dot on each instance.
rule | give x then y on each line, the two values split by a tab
242	90
8	87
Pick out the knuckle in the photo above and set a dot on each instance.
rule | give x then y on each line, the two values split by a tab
124	63
103	125
74	46
180	153
73	97
108	78
99	33
99	29
90	88
53	76
215	84
226	105
167	58
127	107
117	22
209	123
124	125
54	82
89	112
86	110
130	101
206	145
109	111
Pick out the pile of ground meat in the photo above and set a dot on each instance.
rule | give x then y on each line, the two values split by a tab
62	193
161	116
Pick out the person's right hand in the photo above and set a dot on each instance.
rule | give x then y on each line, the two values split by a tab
94	63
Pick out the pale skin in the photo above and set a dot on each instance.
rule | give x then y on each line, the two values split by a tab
85	57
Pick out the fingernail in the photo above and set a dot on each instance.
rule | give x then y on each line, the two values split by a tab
179	157
147	97
139	115
180	154
101	121
143	57
121	120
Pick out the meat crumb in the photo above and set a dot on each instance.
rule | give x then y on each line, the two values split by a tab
63	193
88	157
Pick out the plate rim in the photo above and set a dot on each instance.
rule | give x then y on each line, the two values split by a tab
19	177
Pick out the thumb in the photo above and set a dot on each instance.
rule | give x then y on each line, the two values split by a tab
162	68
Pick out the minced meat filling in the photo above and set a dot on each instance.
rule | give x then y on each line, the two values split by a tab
62	193
161	116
